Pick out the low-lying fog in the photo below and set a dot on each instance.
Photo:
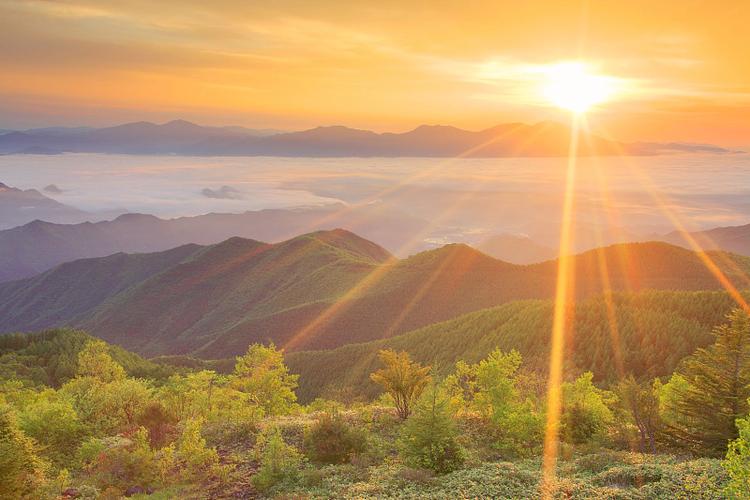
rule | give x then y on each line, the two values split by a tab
460	199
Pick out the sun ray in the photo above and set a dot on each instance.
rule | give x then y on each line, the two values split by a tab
371	279
563	300
674	219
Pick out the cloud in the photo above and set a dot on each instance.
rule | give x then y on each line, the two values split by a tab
223	193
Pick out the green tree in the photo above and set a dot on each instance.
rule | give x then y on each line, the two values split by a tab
198	458
402	378
95	361
715	391
279	462
52	421
428	438
21	471
585	412
639	406
491	388
737	462
263	376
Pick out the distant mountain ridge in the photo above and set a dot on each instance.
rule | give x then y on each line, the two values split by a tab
516	249
729	238
38	246
316	291
185	138
19	206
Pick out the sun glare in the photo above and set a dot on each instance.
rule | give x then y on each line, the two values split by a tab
571	86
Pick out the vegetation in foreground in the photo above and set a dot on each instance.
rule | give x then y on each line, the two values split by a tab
79	418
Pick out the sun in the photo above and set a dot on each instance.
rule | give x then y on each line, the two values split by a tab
571	86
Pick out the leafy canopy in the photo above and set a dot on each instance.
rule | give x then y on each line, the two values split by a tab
402	378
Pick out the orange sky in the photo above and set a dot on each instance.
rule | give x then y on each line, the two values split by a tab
683	65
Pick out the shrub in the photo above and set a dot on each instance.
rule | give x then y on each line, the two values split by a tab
159	423
428	438
331	440
586	414
280	463
419	476
198	458
737	463
21	471
121	463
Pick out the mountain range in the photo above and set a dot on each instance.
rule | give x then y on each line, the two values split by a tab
38	246
19	206
185	138
730	238
316	291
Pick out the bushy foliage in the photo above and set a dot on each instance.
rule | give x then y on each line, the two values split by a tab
429	435
159	423
585	412
94	361
491	388
123	462
280	463
331	440
21	470
52	420
199	459
737	462
402	378
263	376
638	408
51	358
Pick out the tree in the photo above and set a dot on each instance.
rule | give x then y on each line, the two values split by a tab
491	388
428	439
585	411
21	471
402	378
94	361
737	462
263	376
279	462
715	391
199	459
640	404
52	421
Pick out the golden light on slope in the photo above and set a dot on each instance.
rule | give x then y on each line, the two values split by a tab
571	86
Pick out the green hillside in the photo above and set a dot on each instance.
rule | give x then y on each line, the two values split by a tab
316	291
50	358
656	330
72	290
234	283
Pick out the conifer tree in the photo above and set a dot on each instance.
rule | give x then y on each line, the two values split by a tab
429	435
716	391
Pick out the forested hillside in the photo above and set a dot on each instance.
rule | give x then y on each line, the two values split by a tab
656	330
316	291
